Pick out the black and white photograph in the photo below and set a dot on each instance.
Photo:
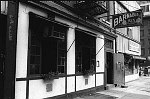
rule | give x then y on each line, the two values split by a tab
75	49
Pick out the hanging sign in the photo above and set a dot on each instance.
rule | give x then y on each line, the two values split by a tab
129	19
133	46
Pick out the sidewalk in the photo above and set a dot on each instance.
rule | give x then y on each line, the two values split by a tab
137	89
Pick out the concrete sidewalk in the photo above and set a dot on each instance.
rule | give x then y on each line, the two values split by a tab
137	89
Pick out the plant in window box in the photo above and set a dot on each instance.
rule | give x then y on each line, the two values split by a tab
86	73
50	76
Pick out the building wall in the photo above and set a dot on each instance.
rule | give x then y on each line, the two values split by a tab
145	38
35	88
145	30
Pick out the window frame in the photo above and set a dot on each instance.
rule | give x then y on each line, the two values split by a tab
50	21
79	68
147	8
109	43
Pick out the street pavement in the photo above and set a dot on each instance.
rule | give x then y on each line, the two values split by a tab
137	89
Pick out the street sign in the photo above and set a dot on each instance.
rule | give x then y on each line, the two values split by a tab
128	19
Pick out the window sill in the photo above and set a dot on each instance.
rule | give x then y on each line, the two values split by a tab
38	76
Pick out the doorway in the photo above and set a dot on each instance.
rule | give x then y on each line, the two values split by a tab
109	67
3	20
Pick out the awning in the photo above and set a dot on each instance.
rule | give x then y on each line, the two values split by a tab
139	57
130	56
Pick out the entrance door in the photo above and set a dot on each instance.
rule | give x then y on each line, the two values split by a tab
2	52
109	66
119	73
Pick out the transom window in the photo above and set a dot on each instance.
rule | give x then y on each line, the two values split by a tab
108	43
47	46
85	48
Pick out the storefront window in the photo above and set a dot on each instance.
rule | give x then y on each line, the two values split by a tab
129	68
128	62
136	66
85	52
47	47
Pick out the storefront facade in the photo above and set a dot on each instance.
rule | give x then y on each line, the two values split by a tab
51	41
128	42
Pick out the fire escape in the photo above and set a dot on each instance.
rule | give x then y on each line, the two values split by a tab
91	8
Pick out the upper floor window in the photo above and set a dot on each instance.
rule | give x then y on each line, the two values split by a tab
85	48
148	22
142	26
149	50
149	41
141	33
149	32
47	47
145	8
142	51
142	42
129	32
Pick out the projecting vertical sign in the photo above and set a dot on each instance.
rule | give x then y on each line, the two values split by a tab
128	19
11	43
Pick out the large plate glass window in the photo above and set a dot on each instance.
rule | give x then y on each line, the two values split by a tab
85	48
47	46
